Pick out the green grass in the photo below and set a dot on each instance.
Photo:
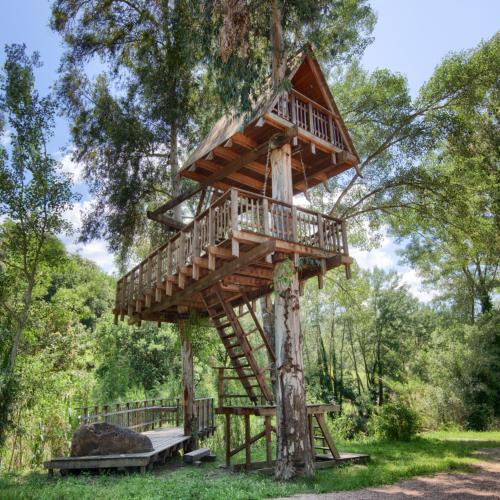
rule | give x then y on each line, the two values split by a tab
390	462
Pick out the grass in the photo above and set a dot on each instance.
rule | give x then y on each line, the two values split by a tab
390	462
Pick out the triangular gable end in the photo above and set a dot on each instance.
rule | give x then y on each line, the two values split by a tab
307	78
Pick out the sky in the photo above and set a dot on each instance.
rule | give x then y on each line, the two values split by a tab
411	37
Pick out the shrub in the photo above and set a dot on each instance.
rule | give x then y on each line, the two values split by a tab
394	421
349	426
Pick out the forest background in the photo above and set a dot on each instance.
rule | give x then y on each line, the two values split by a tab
137	89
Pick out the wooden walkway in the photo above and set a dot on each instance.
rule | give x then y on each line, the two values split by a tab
166	441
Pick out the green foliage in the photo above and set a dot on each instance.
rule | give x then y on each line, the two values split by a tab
394	421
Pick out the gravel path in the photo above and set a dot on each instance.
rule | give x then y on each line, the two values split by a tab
481	485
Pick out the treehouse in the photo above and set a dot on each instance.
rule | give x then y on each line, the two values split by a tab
223	260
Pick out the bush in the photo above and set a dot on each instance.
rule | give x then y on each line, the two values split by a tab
349	426
394	421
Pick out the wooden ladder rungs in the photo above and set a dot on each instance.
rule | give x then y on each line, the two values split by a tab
258	348
237	356
231	335
322	448
240	377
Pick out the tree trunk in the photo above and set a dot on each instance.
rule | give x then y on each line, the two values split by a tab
174	170
278	62
267	309
294	454
188	386
20	326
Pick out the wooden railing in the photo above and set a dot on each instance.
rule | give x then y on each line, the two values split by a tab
150	414
309	115
204	412
138	415
235	210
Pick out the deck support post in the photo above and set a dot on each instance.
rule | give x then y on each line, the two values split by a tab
188	387
294	454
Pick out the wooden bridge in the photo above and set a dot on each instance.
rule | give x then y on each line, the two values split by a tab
159	419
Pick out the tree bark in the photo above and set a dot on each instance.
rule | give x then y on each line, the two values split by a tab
267	309
294	454
188	386
20	326
278	62
174	169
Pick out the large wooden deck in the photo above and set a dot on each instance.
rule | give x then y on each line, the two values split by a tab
166	442
231	242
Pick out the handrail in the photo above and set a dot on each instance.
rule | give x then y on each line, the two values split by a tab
149	414
309	115
235	210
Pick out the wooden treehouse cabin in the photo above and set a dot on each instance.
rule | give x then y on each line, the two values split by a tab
222	262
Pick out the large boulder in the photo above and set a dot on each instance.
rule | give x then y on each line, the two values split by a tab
107	439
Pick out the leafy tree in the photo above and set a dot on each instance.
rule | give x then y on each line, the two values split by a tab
129	123
34	195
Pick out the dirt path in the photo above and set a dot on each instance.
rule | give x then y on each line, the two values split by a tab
481	485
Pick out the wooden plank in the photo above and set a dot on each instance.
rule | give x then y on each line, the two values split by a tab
195	455
275	141
231	267
326	433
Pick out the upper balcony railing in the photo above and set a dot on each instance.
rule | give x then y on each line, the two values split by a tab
236	210
310	116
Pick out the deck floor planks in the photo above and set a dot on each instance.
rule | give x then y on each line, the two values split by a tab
162	440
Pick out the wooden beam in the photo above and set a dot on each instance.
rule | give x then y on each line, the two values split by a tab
167	221
275	141
230	268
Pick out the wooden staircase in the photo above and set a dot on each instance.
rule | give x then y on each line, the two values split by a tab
321	439
241	345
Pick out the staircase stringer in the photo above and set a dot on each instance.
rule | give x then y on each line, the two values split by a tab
245	345
236	362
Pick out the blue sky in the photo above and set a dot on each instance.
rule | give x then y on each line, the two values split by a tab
411	37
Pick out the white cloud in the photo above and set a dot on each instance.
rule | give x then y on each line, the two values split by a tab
414	283
5	138
71	167
95	250
385	257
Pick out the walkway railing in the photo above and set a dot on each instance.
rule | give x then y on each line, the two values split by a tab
149	414
235	210
137	415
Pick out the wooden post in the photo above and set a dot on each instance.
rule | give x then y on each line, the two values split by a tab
227	438
235	247
294	453
187	379
269	452
248	457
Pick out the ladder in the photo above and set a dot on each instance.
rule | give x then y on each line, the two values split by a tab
241	345
321	439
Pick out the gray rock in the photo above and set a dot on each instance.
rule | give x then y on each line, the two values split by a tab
107	439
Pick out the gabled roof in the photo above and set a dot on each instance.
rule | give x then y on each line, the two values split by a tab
235	122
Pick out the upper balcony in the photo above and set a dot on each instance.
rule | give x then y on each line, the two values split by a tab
235	153
231	242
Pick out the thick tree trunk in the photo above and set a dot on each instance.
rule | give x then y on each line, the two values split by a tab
267	309
278	61
187	382
174	170
294	454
